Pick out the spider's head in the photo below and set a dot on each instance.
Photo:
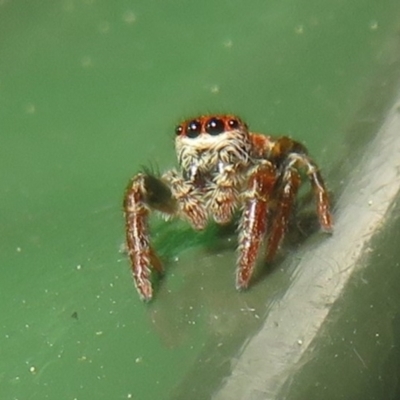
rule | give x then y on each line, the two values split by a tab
210	142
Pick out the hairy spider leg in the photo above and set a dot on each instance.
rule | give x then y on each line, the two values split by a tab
295	154
189	200
319	189
287	191
169	196
322	198
225	194
141	254
253	224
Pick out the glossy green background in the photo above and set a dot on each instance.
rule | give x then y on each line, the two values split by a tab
90	91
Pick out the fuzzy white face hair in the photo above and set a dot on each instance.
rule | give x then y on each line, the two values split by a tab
209	145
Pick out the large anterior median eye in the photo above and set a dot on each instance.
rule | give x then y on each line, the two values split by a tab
193	129
215	126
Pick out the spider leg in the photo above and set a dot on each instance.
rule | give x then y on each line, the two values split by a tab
225	195
319	189
295	154
287	192
189	200
253	224
322	198
144	193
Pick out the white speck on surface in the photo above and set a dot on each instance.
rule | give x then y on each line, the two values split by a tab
122	248
138	360
19	249
248	309
79	267
32	370
215	89
228	43
129	17
299	29
373	25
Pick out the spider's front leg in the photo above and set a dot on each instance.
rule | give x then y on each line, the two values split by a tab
189	200
225	194
253	225
144	193
172	196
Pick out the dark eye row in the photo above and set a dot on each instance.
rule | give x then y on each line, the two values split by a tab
214	126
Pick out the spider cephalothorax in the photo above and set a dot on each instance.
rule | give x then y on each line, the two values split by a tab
223	168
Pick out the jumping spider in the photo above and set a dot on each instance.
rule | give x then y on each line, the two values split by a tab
223	168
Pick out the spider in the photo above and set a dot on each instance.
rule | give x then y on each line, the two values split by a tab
223	168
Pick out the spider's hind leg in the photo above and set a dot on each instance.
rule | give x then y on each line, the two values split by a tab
144	193
318	186
294	155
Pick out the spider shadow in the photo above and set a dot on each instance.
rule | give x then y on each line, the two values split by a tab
300	229
172	239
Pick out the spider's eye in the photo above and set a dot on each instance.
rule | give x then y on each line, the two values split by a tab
215	126
193	129
233	123
178	130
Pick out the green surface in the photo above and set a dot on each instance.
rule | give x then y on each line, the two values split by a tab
90	91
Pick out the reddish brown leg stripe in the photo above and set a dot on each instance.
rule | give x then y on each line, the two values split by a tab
254	221
288	192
